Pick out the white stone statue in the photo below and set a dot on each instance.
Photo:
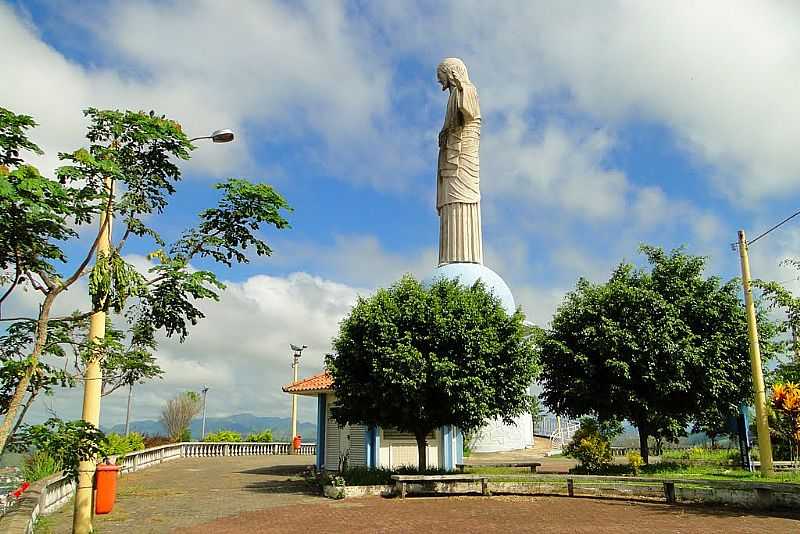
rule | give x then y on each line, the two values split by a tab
458	193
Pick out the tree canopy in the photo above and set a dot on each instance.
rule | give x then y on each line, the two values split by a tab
127	170
659	347
416	359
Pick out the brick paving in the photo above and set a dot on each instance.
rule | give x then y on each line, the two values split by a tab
494	514
197	490
266	494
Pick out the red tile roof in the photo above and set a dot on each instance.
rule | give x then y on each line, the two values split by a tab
320	382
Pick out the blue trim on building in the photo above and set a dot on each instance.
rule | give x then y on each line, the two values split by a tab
369	445
376	446
459	452
373	442
321	409
447	448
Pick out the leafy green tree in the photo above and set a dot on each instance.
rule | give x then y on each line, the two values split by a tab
416	358
782	300
129	170
66	442
657	347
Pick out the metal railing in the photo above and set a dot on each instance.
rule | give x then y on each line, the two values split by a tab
563	434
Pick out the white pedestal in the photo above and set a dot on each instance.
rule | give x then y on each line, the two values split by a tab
499	437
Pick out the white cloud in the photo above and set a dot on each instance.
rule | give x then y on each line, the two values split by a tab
272	72
240	350
722	76
554	166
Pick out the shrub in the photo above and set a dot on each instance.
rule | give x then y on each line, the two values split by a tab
118	444
265	436
68	442
223	436
635	461
590	447
39	465
185	435
155	440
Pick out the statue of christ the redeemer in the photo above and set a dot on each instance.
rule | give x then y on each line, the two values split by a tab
458	193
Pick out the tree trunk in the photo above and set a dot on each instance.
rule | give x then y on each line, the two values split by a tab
643	448
21	417
22	385
422	450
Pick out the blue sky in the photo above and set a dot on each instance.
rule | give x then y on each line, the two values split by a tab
605	125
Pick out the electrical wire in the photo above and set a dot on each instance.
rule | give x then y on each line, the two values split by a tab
787	219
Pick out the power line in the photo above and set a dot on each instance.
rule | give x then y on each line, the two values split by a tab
787	219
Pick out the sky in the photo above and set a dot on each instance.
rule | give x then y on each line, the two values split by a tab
605	125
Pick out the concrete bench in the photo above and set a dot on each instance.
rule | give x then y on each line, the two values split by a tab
400	481
532	465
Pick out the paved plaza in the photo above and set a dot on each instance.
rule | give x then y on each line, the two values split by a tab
266	494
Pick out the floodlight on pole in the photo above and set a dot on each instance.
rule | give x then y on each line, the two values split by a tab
218	136
204	391
93	376
298	351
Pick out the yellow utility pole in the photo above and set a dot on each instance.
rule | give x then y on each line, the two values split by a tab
764	441
295	365
92	385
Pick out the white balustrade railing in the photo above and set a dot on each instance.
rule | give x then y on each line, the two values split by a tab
58	490
56	493
203	449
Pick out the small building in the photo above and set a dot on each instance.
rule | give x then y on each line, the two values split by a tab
358	445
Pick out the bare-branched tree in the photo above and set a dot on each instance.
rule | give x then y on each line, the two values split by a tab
179	412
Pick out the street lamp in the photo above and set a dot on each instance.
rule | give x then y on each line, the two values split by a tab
298	351
92	378
218	136
203	431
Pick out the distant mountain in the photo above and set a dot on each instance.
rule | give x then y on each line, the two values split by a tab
244	423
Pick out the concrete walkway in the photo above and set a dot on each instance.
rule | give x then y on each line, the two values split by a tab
197	490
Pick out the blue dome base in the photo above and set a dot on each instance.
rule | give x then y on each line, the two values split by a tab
468	274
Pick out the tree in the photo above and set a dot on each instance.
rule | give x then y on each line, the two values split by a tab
67	442
658	348
179	412
416	359
134	153
780	299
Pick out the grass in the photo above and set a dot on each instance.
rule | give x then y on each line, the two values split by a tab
39	465
702	454
44	525
664	470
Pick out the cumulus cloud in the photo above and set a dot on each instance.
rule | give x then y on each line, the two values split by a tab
723	77
240	350
273	72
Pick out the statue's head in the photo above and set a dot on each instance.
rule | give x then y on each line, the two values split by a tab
452	72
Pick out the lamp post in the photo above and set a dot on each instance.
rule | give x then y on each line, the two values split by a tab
298	351
128	413
92	377
203	430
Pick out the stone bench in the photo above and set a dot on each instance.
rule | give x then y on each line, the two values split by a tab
401	481
531	465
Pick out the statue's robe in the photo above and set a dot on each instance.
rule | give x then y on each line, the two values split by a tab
458	193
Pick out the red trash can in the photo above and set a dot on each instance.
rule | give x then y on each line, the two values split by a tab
105	488
296	444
